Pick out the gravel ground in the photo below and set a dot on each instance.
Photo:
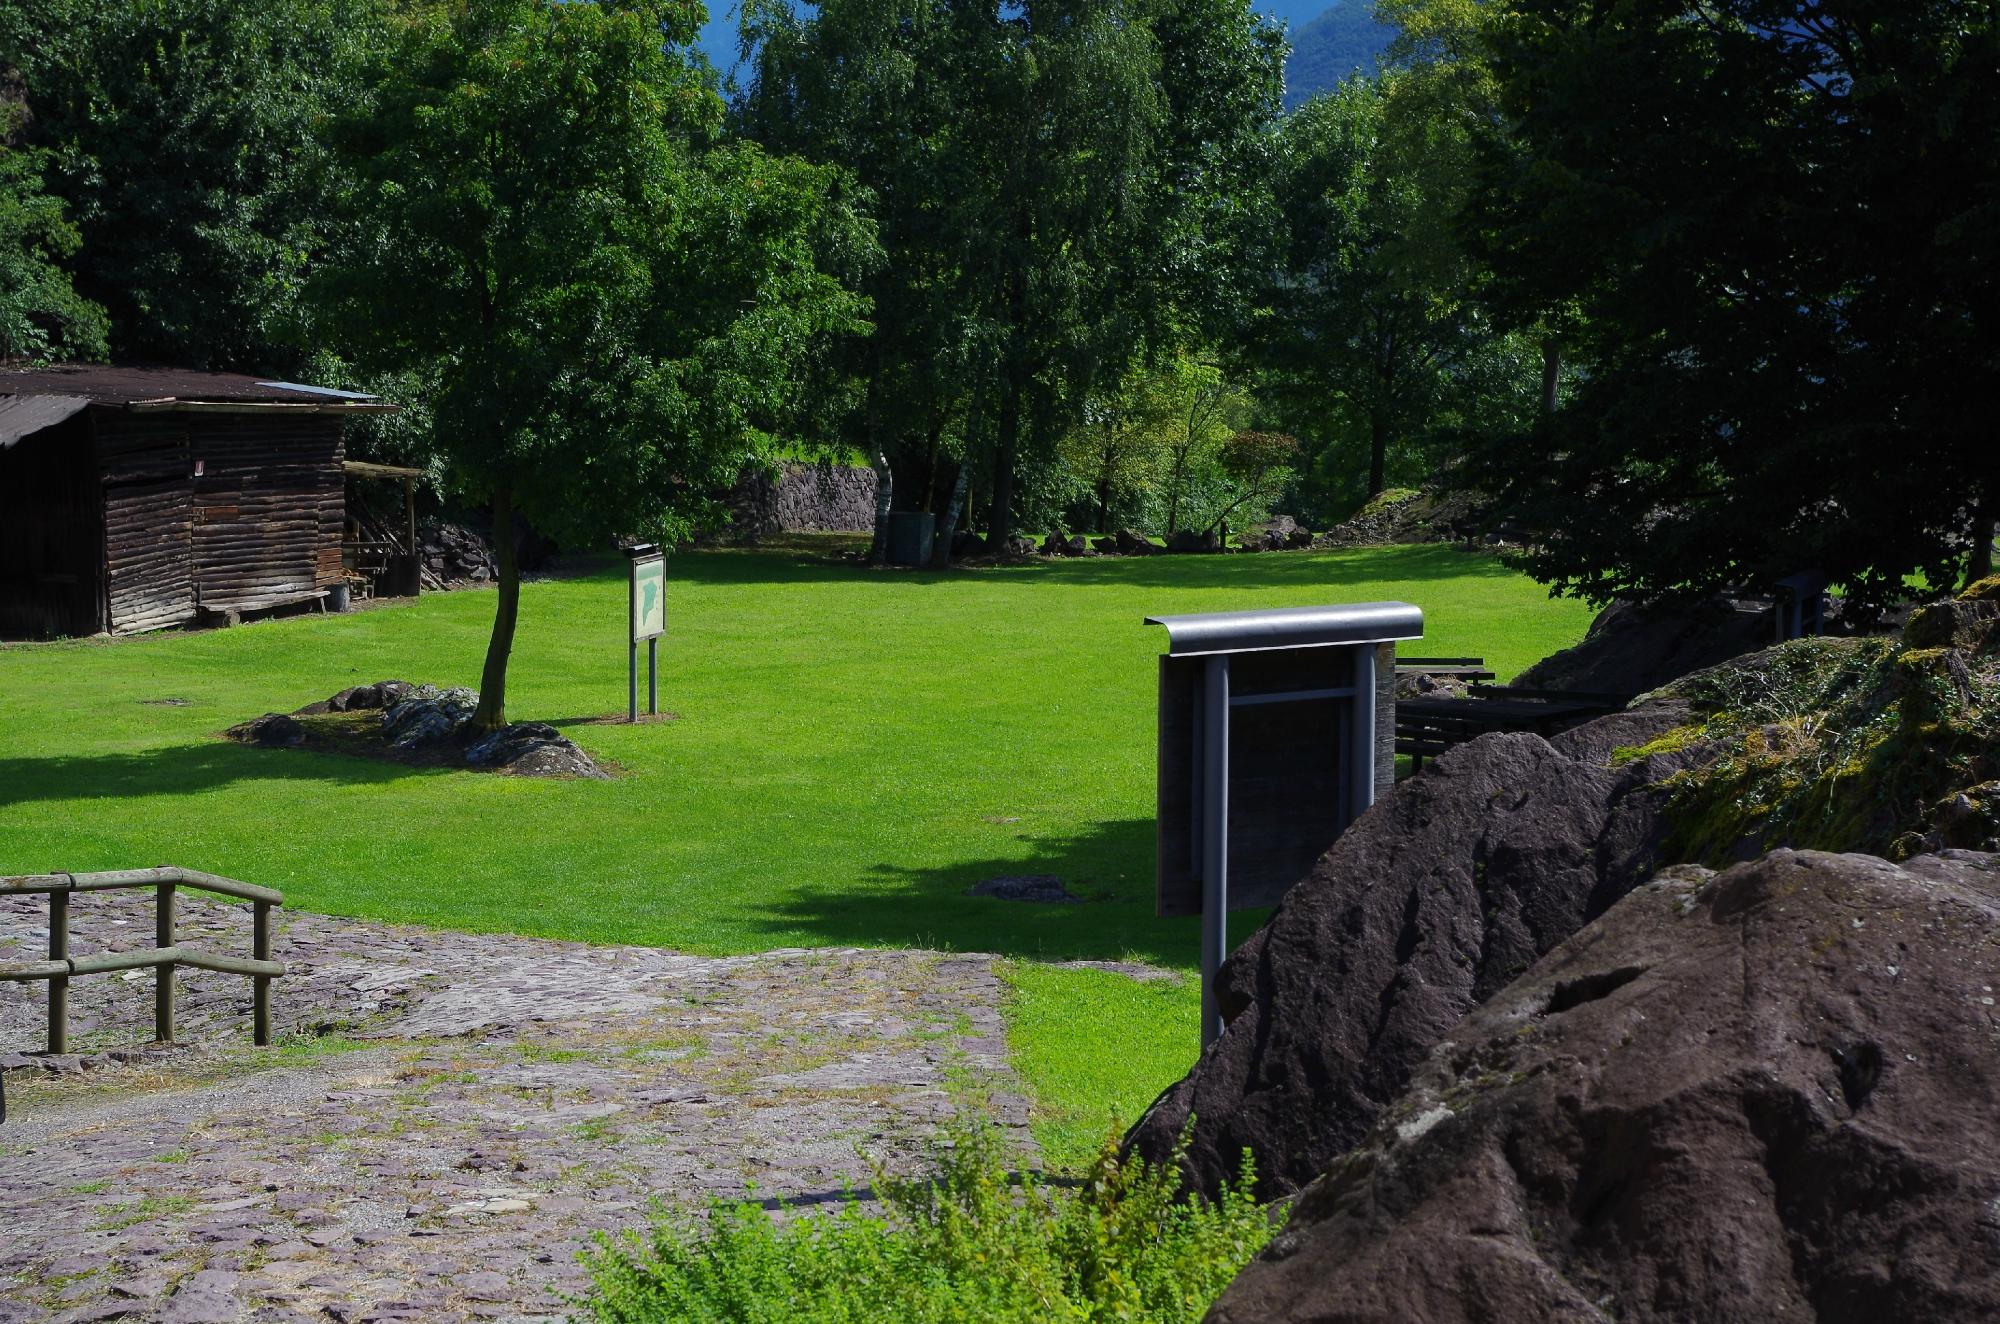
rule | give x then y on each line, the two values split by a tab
448	1118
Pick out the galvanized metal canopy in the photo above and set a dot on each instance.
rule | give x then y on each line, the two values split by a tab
1276	728
1290	627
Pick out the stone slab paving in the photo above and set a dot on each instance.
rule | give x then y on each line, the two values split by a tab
450	1117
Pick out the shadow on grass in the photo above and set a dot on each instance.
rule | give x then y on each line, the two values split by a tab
1361	566
181	769
1109	867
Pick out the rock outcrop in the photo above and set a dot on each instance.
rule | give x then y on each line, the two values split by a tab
1770	1094
1437	898
1631	649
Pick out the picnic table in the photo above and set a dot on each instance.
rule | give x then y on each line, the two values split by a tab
1426	728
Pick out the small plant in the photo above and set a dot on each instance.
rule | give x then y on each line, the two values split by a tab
971	1242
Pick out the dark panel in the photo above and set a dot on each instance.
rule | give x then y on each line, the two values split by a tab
1287	781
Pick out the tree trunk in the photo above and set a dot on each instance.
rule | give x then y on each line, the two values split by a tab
885	480
1174	480
1980	564
1378	452
1104	497
941	550
1552	367
885	496
1000	523
492	711
928	492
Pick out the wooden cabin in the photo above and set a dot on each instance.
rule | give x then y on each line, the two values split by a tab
139	498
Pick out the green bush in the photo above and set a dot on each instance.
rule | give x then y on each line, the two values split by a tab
969	1243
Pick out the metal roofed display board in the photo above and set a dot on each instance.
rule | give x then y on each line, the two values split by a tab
1275	729
646	616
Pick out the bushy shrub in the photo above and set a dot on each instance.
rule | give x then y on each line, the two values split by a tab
969	1243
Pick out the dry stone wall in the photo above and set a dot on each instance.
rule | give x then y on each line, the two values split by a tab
803	498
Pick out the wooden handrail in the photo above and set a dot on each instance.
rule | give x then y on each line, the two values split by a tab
162	958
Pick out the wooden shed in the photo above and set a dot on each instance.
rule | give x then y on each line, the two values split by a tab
138	498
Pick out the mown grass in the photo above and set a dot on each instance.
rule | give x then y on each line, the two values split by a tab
853	750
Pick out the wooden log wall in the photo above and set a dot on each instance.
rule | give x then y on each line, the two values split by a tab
268	506
258	525
143	462
51	576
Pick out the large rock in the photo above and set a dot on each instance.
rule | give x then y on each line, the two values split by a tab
533	749
1438	897
1771	1094
1631	649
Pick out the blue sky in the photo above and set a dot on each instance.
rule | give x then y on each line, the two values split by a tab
719	37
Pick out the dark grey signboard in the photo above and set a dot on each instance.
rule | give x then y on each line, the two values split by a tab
1275	729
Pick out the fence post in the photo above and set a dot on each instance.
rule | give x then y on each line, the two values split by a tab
260	948
59	986
163	975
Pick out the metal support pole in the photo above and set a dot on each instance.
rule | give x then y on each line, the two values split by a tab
1214	840
632	682
163	975
260	985
59	986
1361	738
653	675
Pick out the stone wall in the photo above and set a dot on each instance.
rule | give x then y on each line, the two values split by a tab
805	498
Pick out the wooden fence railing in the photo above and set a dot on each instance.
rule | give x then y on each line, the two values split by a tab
164	956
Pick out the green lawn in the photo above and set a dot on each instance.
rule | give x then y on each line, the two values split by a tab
853	750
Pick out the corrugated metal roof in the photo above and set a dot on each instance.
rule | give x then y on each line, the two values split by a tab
109	385
23	414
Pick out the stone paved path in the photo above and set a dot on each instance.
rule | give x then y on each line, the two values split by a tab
452	1115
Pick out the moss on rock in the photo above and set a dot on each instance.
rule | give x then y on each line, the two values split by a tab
1876	745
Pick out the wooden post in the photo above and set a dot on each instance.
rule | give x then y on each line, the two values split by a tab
163	976
260	949
410	515
59	986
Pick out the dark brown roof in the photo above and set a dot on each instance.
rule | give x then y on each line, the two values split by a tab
104	385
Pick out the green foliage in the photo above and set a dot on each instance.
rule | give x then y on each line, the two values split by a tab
1061	190
1367	335
183	138
41	315
968	1243
1766	225
612	302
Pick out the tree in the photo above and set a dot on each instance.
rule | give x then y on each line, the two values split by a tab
616	299
1128	144
41	315
1198	410
1772	219
1368	316
182	136
868	86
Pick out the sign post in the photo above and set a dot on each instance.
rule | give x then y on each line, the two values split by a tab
646	615
1274	735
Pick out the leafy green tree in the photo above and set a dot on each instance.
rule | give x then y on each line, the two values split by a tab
617	301
1772	221
1198	410
41	315
183	138
867	86
1369	317
1127	147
